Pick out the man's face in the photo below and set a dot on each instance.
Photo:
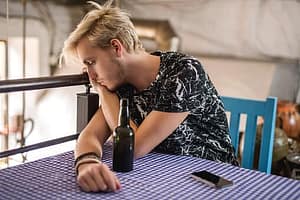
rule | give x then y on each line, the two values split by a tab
101	64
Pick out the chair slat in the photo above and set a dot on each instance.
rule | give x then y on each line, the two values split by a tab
249	141
267	140
234	130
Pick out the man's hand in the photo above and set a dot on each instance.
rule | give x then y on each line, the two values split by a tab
97	177
96	86
103	92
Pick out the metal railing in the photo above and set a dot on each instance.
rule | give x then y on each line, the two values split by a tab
16	85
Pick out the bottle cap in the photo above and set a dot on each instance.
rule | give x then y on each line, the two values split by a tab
124	102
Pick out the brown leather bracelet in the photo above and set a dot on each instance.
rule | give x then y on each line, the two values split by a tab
86	160
86	155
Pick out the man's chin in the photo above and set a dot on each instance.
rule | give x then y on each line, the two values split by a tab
111	89
118	87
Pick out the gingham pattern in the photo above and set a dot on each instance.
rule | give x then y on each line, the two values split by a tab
156	176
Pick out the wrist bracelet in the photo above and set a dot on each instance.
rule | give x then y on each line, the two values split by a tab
86	160
86	155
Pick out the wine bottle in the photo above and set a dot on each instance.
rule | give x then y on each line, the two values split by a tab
123	140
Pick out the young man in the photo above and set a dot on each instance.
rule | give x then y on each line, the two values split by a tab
174	106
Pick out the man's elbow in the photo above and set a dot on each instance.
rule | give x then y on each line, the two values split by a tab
139	152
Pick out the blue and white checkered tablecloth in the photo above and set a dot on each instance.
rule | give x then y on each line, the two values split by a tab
155	176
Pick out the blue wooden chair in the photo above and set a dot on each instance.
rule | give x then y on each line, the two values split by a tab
252	109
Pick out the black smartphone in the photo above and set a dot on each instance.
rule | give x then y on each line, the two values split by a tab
211	179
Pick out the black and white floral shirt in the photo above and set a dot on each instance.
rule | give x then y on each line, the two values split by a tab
182	85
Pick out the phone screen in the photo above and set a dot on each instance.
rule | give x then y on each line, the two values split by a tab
211	179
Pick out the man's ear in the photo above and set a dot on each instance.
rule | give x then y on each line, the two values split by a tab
117	46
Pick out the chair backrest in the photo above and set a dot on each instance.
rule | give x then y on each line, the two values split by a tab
252	109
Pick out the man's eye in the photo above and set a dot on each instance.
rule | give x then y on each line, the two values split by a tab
89	62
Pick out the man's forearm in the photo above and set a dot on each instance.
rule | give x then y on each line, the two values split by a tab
87	143
93	135
110	106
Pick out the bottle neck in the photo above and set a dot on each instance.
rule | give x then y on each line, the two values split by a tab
124	116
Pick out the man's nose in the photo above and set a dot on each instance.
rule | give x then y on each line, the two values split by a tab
92	74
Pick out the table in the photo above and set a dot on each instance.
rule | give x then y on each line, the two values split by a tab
155	176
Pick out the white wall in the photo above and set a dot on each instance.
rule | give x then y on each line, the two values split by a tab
240	28
240	78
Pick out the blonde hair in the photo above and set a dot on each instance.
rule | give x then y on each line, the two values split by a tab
100	26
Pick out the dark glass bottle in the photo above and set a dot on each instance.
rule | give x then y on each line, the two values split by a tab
123	141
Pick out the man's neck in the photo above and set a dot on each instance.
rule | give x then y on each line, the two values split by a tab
142	70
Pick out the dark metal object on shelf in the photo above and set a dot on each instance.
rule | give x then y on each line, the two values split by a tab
293	161
87	105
